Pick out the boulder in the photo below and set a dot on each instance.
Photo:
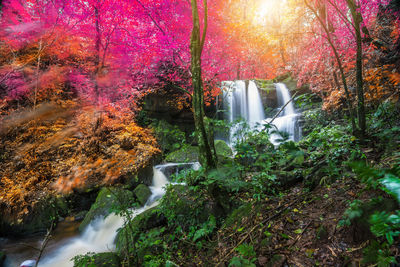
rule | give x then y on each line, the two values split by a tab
37	218
185	154
142	193
222	149
107	199
143	222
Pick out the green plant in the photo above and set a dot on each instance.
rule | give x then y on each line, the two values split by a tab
385	225
169	137
246	258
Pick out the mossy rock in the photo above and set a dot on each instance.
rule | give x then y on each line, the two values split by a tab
38	219
142	193
143	222
107	199
222	149
185	154
105	259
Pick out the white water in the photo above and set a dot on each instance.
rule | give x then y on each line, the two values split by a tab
100	234
287	120
245	103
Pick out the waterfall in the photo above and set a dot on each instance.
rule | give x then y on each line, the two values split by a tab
287	120
241	101
100	234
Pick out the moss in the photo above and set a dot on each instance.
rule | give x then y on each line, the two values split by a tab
107	199
223	149
185	154
143	222
105	259
39	218
142	193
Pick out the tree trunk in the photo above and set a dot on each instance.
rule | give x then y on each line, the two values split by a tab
206	157
340	65
97	48
357	20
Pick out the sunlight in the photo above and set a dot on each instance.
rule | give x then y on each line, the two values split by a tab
267	10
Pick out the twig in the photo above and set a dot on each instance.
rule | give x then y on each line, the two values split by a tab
280	111
300	235
44	243
255	227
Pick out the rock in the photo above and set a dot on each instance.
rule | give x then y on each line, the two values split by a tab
222	149
185	154
142	193
108	198
105	259
143	222
37	219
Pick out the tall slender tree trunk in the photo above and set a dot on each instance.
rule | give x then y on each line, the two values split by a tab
206	156
340	65
97	48
357	20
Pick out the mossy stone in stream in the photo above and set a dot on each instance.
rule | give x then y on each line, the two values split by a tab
107	199
38	219
142	193
105	259
185	154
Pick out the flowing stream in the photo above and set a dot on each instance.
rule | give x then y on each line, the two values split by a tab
242	100
100	234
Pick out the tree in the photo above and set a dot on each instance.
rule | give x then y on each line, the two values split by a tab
207	157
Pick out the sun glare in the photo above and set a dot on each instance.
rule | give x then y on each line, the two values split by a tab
268	10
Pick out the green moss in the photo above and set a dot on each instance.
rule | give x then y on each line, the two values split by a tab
107	199
185	154
143	222
223	149
105	259
142	193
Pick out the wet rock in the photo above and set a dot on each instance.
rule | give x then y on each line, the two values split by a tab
36	219
222	149
142	193
107	199
185	154
143	222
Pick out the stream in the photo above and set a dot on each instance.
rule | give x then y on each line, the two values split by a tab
241	100
98	236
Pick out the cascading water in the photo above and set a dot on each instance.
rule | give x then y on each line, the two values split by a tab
100	234
288	119
244	102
